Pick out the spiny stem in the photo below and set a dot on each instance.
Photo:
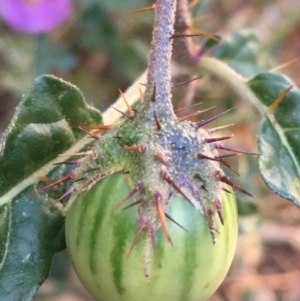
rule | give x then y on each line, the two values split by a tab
159	74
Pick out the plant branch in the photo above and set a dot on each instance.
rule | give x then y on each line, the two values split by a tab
229	76
159	74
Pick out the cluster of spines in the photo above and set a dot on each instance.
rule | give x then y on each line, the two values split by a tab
164	175
140	148
163	216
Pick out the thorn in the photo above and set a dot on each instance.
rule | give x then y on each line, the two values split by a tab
95	127
192	4
210	140
90	134
136	148
194	114
201	156
228	181
129	108
227	156
204	33
173	86
188	107
218	159
223	147
158	125
279	99
131	194
286	64
133	204
68	192
92	152
57	182
167	178
204	122
141	229
226	190
142	10
160	159
201	82
78	180
197	176
200	18
230	167
219	211
173	220
91	169
125	115
141	95
175	36
162	216
73	162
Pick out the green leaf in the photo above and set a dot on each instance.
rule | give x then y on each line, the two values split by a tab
33	236
279	134
243	51
31	228
42	128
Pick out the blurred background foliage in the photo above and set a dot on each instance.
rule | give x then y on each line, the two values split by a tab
102	48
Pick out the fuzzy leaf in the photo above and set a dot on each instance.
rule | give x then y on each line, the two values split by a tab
31	230
244	52
279	134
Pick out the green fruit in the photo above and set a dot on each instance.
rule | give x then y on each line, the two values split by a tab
99	240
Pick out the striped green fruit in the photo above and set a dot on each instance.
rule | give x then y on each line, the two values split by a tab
98	242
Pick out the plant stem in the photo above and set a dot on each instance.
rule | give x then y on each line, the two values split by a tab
159	72
229	76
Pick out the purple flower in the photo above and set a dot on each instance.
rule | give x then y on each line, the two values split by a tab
35	16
